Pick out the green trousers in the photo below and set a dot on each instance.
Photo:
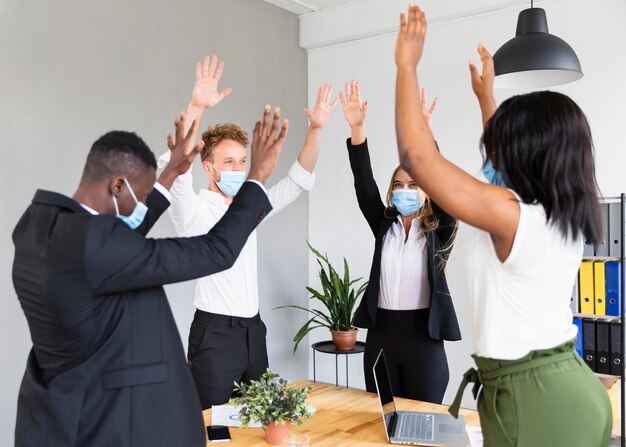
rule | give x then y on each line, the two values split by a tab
548	398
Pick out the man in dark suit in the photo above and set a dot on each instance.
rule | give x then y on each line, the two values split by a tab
107	365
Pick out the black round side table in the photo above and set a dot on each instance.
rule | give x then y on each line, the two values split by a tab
327	347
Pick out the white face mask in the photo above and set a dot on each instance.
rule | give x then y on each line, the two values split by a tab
230	181
406	201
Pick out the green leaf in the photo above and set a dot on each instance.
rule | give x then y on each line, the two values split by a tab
315	293
304	330
315	252
270	399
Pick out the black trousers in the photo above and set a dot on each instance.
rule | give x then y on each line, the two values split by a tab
418	366
224	349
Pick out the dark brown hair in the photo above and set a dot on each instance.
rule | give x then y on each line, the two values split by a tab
541	144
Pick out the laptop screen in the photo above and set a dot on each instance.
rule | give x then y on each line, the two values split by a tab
383	386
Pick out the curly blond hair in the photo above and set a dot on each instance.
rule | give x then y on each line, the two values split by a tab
216	134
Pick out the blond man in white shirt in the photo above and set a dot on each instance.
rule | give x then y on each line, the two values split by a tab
227	336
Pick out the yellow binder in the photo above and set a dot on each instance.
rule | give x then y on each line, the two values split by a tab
585	281
599	287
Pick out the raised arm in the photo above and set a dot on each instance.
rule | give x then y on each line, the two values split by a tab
447	223
300	177
354	111
490	208
317	120
367	193
205	92
482	84
204	95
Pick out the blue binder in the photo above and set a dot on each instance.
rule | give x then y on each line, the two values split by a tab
579	338
613	288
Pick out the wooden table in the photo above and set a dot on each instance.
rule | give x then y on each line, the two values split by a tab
343	417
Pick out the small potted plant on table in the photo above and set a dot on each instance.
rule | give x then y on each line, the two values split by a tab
272	403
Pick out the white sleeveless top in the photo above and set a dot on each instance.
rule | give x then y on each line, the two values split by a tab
521	304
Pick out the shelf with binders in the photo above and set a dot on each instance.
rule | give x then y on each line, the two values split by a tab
610	244
599	344
598	304
597	296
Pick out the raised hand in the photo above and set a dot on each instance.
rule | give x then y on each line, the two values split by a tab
354	110
482	84
322	110
266	145
428	111
410	42
208	75
182	151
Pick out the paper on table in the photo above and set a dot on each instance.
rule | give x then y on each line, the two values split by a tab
229	415
475	436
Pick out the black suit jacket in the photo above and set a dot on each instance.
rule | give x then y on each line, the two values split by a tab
442	322
107	367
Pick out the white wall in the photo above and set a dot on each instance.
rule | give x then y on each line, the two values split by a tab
73	70
362	40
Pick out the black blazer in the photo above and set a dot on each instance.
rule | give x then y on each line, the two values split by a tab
442	322
107	365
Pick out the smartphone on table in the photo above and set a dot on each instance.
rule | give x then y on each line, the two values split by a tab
218	433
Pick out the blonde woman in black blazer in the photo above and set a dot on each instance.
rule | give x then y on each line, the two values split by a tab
407	307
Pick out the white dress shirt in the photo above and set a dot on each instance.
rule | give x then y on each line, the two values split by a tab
404	269
233	291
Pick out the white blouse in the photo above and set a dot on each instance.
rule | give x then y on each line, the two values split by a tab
404	269
521	304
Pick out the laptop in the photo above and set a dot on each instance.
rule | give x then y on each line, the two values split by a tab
410	427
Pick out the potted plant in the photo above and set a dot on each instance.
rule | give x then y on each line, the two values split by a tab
272	403
339	298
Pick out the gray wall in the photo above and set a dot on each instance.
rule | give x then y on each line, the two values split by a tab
72	70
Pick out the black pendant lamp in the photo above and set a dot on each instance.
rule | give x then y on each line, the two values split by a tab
534	58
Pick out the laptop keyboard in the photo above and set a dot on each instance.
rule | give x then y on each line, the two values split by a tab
416	426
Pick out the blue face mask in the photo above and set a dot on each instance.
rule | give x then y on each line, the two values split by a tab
492	175
406	201
138	214
230	181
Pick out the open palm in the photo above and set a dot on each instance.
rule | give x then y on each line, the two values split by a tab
322	110
354	110
205	92
428	111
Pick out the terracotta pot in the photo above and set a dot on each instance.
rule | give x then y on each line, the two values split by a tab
276	433
344	340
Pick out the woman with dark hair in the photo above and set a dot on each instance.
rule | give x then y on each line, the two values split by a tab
406	306
520	252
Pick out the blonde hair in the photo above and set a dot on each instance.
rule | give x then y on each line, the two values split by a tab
425	215
216	134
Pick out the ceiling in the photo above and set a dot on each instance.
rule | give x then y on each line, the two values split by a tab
306	6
